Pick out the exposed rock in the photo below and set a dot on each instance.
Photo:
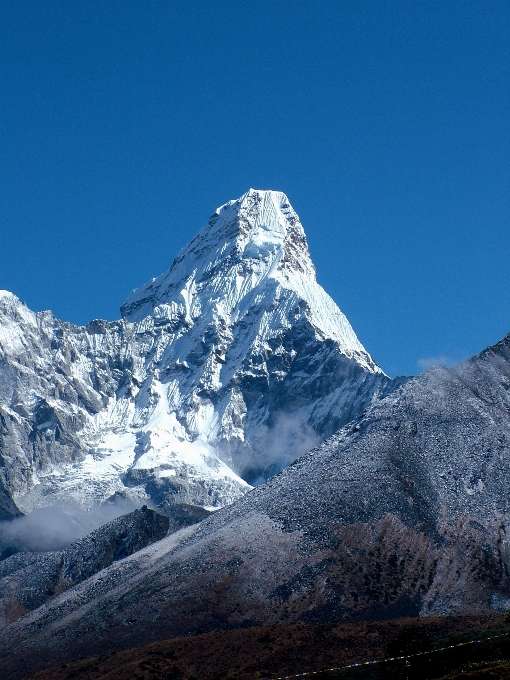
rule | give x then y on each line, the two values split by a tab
222	371
403	512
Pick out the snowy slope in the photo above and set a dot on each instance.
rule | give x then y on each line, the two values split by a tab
221	372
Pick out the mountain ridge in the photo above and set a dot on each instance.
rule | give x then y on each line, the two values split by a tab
403	512
221	371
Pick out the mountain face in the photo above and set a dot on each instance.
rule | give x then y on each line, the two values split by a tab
404	511
28	579
220	373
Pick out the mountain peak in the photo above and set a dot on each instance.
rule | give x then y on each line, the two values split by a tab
252	251
254	237
226	367
267	223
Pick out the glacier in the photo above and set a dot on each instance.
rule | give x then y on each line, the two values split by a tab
220	373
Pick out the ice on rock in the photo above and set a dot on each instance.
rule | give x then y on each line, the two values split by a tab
185	399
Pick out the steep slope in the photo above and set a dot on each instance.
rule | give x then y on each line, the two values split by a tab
403	512
221	372
29	579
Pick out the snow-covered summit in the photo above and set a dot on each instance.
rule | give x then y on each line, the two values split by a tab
7	294
10	301
252	246
222	371
259	231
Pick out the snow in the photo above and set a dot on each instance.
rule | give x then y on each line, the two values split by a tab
260	242
170	387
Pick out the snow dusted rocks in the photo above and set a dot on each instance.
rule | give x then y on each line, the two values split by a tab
28	579
221	372
403	512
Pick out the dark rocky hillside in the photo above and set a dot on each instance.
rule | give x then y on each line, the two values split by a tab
404	512
28	579
279	650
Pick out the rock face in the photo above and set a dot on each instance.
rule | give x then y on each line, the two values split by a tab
27	580
405	511
219	374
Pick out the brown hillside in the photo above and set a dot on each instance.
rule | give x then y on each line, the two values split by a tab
262	651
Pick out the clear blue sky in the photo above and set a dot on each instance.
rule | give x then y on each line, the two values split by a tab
125	124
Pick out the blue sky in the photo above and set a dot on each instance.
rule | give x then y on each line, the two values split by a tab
123	125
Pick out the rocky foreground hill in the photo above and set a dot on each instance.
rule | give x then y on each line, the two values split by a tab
304	650
403	512
29	579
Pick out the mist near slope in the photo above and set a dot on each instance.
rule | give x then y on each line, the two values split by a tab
56	527
278	446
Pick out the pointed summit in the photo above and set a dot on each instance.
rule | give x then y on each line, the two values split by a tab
254	245
223	370
268	223
258	234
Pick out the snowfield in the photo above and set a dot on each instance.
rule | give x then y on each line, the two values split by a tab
221	372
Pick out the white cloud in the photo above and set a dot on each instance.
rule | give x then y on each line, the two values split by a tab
54	527
441	360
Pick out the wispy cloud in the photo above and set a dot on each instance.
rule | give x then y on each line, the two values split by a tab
54	528
441	360
277	447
